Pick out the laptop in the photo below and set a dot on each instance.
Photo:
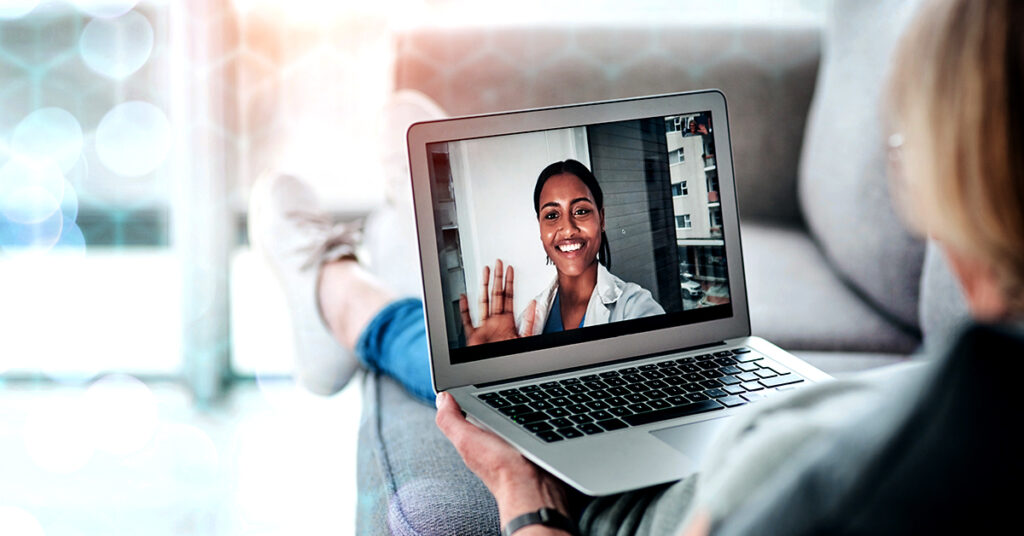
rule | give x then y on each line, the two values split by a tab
633	393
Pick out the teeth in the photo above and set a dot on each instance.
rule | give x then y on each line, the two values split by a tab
570	247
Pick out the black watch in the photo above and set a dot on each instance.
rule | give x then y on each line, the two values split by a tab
549	517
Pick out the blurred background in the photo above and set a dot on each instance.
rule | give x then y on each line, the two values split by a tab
145	352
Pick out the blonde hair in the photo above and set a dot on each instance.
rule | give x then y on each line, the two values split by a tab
957	93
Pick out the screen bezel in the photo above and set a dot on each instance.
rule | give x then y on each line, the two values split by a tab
444	373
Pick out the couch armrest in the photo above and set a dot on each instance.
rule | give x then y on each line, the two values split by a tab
766	71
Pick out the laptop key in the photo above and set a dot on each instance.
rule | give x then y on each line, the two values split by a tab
731	370
715	393
597	404
741	350
685	361
712	374
568	381
654	394
488	396
635	398
570	433
498	403
558	412
616	401
595	385
670	371
580	398
747	377
550	436
609	374
512	411
693	388
753	397
732	401
619	391
576	388
746	358
538	427
782	380
527	418
580	419
723	353
612	424
725	361
560	401
541	405
636	387
620	412
752	386
561	422
672	413
633	378
729	380
507	392
629	370
640	408
677	400
748	367
675	380
652	375
649	366
659	404
599	394
517	399
557	391
711	384
705	357
765	373
734	389
538	395
548	385
615	382
529	388
673	390
707	365
697	397
589	378
590	428
600	415
657	384
576	409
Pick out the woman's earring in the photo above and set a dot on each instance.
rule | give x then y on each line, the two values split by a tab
548	260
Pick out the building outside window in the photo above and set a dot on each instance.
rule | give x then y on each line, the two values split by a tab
683	221
680	189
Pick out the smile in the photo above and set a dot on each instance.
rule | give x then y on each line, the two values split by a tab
567	248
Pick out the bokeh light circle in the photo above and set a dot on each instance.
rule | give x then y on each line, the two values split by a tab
13	9
105	8
57	436
16	521
20	173
30	238
31	204
49	133
133	139
69	205
123	414
116	48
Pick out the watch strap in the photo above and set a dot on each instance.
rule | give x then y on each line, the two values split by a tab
548	517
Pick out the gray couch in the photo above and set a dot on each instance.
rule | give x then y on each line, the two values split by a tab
832	274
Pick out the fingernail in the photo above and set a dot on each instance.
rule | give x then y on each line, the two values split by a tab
437	400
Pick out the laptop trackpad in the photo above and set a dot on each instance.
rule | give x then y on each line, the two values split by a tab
692	439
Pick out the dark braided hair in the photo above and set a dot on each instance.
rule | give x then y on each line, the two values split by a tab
580	171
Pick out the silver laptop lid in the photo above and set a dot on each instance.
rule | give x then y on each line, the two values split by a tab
664	166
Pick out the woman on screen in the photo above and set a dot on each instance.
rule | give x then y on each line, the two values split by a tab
570	214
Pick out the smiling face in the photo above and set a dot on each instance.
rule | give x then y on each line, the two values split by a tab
570	224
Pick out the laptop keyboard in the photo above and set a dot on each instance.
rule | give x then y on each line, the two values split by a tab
636	395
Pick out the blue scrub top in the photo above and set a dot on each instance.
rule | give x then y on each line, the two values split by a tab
554	323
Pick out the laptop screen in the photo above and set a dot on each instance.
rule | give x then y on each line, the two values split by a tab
603	230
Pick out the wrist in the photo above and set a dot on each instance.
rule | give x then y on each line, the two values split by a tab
521	496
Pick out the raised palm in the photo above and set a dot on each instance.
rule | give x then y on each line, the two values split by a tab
497	312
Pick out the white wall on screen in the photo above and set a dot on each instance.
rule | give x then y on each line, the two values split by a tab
493	180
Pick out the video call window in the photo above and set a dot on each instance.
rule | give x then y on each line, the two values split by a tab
644	269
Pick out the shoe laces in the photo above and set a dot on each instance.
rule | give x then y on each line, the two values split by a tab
336	240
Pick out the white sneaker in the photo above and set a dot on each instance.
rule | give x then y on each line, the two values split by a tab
288	228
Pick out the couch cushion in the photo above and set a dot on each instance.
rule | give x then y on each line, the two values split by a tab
797	301
411	480
843	185
766	70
